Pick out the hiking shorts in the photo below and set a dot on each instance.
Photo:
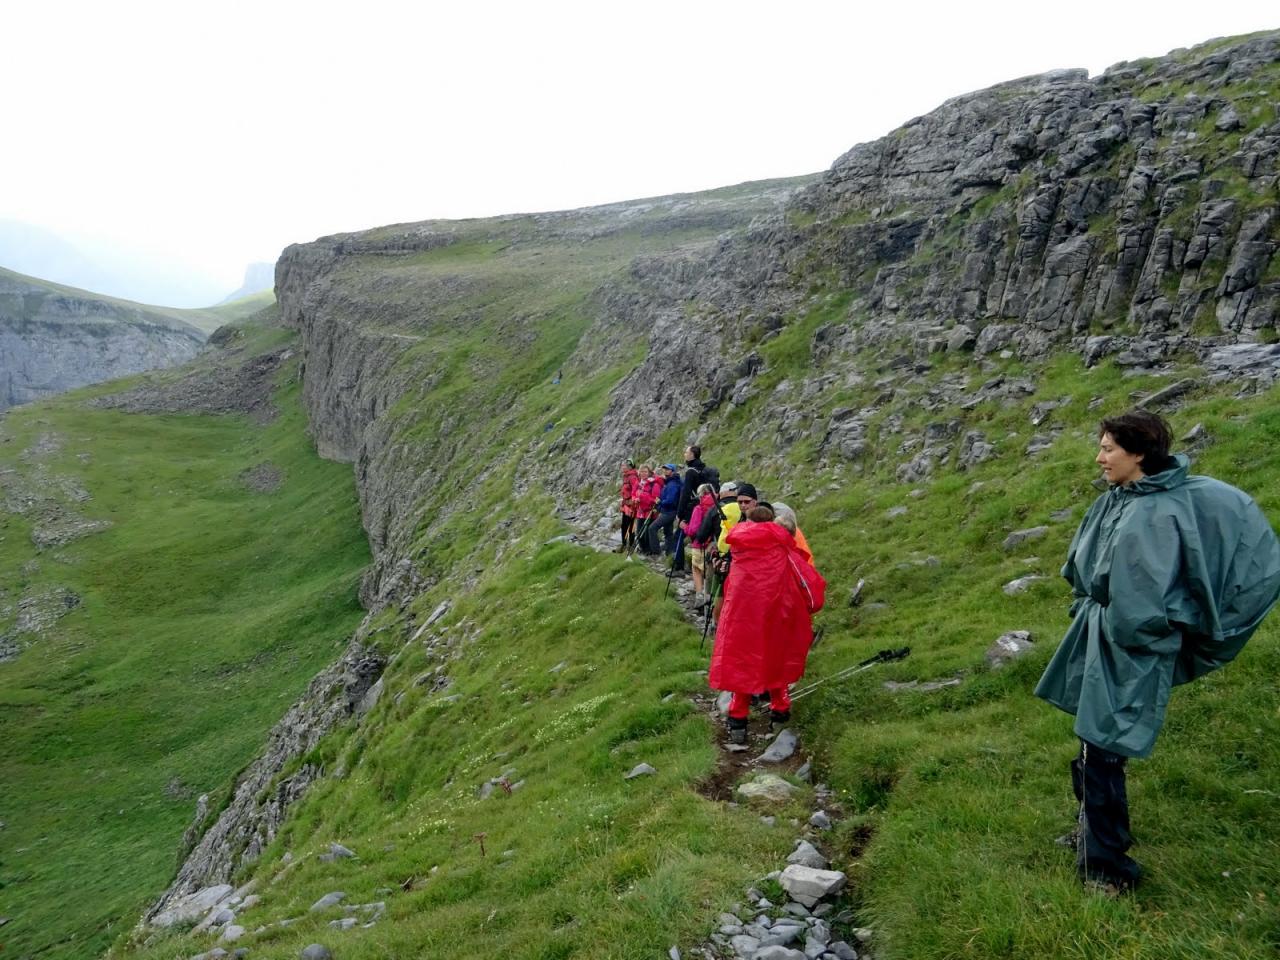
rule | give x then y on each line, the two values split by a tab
697	558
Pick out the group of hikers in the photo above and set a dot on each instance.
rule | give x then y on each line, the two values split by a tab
1171	574
752	570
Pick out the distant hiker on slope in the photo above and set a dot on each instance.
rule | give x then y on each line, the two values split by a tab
766	629
1171	574
630	481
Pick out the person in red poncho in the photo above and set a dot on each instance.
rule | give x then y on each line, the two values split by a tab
766	626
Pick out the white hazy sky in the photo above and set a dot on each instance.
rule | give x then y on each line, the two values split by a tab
219	133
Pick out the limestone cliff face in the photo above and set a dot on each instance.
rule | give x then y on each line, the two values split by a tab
1133	214
371	307
54	339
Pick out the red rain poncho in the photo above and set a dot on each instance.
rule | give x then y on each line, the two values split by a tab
766	626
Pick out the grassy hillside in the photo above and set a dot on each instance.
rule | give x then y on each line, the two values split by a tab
204	319
561	668
210	319
168	642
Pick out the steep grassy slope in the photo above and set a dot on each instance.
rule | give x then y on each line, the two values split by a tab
812	354
961	790
210	319
553	665
151	656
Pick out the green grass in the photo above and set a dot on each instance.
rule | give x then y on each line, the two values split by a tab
577	861
951	798
205	609
210	319
566	668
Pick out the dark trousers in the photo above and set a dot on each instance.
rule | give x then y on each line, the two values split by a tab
1097	777
664	522
628	530
678	562
644	533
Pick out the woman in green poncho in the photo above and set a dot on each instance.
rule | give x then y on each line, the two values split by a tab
1171	574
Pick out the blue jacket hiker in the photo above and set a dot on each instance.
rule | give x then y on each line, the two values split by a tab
667	507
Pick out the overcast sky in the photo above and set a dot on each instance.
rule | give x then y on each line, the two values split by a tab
216	134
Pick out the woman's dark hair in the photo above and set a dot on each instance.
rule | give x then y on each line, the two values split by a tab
1142	432
760	514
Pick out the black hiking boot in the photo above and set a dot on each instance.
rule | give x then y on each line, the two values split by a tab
779	718
737	729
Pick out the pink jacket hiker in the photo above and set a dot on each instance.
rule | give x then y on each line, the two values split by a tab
707	502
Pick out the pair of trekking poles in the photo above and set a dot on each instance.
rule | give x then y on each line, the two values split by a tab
639	535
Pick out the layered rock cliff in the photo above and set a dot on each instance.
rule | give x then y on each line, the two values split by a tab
1131	215
56	338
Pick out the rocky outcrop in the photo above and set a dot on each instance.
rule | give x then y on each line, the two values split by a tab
1130	215
54	339
279	776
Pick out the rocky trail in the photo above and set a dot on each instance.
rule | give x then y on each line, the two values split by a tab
801	916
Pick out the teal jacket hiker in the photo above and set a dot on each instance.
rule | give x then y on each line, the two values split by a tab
1172	575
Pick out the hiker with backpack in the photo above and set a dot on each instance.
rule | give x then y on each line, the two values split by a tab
745	499
723	512
1171	574
696	473
766	629
697	547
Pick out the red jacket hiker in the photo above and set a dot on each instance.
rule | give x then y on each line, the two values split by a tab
630	486
766	626
648	491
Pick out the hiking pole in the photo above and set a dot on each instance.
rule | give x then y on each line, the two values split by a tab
817	637
884	656
639	537
706	613
674	559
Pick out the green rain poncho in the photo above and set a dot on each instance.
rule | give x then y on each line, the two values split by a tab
1172	575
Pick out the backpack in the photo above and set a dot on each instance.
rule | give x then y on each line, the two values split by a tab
711	475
